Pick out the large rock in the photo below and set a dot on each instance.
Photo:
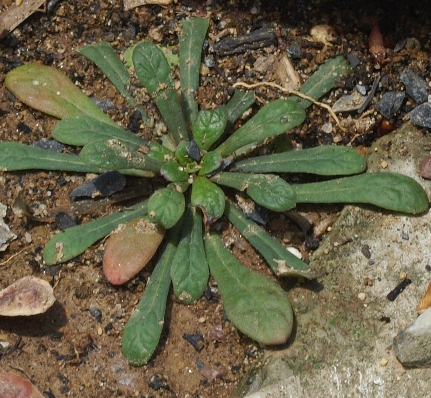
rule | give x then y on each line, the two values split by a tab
413	345
343	340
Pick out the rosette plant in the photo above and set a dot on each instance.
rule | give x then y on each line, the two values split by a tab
201	161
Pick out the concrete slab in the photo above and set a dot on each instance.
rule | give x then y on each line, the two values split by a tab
341	346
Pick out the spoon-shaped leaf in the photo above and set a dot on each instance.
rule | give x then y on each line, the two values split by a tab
154	73
17	156
237	105
129	249
142	332
323	160
209	126
281	260
113	154
268	190
191	41
273	119
49	90
108	61
73	241
189	270
166	206
209	198
81	130
257	306
390	191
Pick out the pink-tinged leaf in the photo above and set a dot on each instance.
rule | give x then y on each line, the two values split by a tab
13	386
27	296
49	90
129	249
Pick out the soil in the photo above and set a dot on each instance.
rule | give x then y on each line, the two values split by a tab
74	349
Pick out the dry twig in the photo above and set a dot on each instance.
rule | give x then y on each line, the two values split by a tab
299	94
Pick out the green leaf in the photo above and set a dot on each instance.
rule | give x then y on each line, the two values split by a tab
273	119
144	328
257	306
209	197
73	241
49	90
323	80
108	61
114	154
324	160
17	156
390	191
209	126
81	130
159	152
191	42
210	162
174	172
189	270
281	260
268	190
237	105
153	71
166	206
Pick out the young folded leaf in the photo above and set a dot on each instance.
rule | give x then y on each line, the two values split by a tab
191	42
174	172
81	130
73	241
113	154
273	119
281	260
257	306
268	190
209	126
210	162
144	328
390	191
154	73
129	249
209	198
166	206
189	270
323	160
49	90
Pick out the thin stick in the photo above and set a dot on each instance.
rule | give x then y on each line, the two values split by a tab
301	95
14	255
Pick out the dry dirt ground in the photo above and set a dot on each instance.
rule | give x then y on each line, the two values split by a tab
73	350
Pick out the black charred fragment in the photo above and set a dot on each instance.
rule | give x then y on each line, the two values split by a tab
259	38
106	184
399	289
193	151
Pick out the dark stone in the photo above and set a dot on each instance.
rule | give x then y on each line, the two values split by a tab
294	50
390	103
195	339
416	87
96	313
157	382
64	220
421	115
104	105
193	151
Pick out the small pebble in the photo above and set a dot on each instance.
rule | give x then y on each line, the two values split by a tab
405	236
383	164
384	362
403	275
362	296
